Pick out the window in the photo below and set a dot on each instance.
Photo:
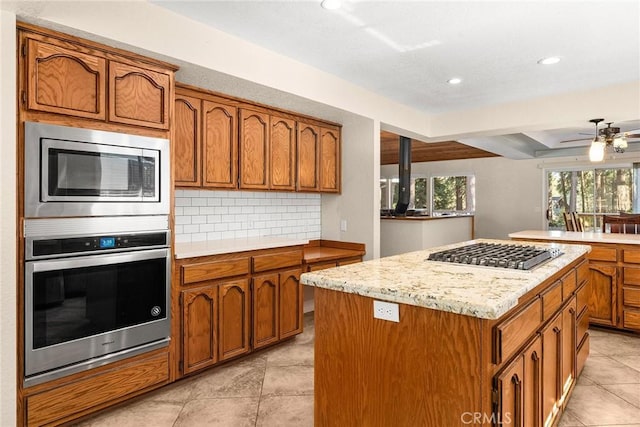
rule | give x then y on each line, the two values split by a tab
453	194
389	189
591	193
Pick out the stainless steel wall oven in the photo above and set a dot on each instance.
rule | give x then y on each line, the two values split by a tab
96	290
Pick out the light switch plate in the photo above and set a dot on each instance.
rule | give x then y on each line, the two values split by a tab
343	225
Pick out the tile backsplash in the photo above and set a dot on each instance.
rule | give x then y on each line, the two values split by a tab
215	215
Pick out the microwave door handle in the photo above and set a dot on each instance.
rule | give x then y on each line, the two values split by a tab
94	260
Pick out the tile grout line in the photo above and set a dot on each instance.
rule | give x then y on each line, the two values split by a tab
266	364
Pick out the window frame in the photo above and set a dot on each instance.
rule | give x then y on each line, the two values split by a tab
470	195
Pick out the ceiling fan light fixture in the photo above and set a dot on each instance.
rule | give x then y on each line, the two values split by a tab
596	151
454	81
549	60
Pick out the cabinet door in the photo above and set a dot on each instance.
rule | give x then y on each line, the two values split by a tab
254	150
602	301
219	145
234	318
291	303
138	96
199	332
551	368
569	344
65	81
532	391
510	384
265	310
308	152
187	141
282	154
329	160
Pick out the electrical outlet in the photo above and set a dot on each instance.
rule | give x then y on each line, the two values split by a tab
343	225
386	311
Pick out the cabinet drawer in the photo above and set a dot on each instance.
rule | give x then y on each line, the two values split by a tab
582	354
603	253
631	256
582	272
582	298
583	325
569	284
194	273
514	331
631	276
280	260
631	319
551	300
53	406
321	266
631	296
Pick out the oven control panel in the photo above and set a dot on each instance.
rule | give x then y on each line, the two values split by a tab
48	247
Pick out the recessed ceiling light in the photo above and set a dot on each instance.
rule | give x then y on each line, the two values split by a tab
549	61
454	81
331	4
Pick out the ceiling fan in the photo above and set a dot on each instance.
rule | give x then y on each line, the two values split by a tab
607	137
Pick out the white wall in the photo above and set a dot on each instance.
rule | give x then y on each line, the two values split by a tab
358	204
8	219
509	193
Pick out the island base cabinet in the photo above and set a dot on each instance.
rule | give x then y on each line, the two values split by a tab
519	389
383	373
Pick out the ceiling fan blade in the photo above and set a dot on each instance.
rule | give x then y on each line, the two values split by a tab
574	140
632	135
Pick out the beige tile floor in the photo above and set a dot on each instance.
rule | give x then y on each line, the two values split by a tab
274	388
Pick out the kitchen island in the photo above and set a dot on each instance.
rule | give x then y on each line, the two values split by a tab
467	347
614	270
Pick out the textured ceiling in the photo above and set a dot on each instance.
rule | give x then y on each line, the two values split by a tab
407	50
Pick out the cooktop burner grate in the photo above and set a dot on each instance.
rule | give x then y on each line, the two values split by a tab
497	255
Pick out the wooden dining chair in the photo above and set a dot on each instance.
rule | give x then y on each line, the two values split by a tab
568	221
627	224
577	222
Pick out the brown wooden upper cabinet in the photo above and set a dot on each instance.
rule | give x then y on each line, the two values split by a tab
187	136
64	81
329	160
76	77
254	150
219	145
205	142
220	142
308	153
282	154
138	95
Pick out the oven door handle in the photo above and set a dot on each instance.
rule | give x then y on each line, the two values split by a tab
94	260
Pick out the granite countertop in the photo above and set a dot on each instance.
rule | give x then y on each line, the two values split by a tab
578	236
484	292
216	247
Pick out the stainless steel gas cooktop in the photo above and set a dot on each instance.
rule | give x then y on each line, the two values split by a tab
498	255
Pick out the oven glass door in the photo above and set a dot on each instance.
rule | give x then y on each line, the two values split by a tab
82	307
80	171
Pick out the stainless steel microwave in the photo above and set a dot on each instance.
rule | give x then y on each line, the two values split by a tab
83	172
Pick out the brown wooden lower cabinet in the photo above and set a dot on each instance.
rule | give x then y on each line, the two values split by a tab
235	310
602	302
199	328
265	309
277	307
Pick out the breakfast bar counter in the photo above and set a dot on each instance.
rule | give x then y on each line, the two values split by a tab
451	344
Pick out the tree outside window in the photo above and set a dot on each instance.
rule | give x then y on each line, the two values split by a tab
453	194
